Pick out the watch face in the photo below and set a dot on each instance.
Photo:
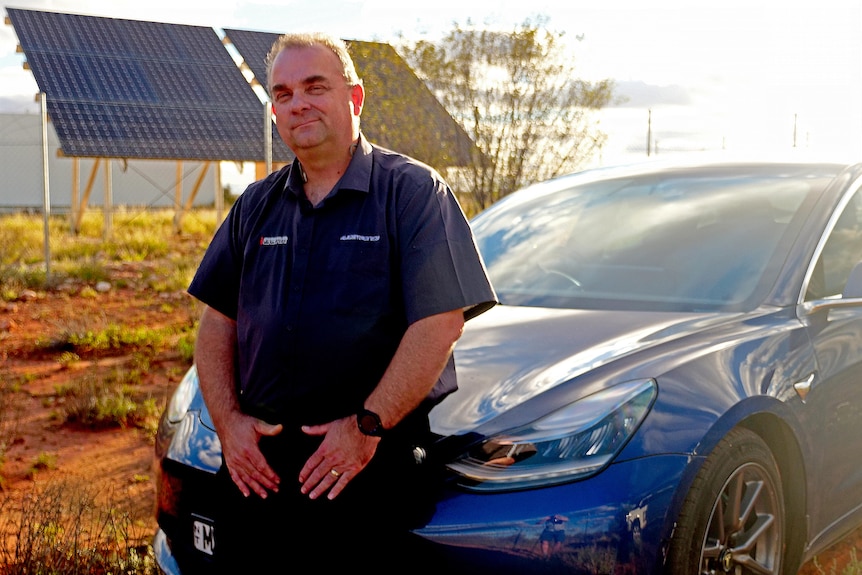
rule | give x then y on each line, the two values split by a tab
369	423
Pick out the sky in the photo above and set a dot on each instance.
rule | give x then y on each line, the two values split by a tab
738	76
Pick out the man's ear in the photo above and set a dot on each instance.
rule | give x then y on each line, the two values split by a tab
357	96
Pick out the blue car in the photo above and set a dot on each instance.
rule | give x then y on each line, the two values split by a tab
671	384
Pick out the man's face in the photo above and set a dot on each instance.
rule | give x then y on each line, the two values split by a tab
313	105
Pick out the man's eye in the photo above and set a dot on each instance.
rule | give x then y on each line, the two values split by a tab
316	90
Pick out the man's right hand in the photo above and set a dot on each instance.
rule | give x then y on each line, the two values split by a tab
247	466
215	358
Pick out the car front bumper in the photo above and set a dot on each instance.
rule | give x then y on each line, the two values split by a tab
618	521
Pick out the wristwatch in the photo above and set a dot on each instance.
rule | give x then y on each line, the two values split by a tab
369	423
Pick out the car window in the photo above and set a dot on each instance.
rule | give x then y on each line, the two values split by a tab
841	252
678	243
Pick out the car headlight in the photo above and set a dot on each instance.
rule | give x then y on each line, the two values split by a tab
571	443
182	398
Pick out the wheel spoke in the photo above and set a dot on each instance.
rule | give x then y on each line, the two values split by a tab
735	493
719	522
712	549
749	501
757	533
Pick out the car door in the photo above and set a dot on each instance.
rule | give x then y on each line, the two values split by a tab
833	405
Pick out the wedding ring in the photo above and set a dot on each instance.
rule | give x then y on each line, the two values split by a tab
334	473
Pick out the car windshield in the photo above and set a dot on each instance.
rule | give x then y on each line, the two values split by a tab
675	241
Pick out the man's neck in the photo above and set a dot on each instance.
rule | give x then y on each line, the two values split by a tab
321	173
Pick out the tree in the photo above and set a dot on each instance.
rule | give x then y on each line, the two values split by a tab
518	97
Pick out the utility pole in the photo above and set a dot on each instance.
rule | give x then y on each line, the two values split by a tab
795	118
649	133
46	188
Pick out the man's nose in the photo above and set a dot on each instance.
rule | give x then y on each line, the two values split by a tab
299	102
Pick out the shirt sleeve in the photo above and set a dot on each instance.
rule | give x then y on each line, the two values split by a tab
216	282
442	269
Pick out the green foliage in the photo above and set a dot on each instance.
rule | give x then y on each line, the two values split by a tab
90	270
21	240
68	358
137	245
174	276
105	403
43	462
137	236
201	223
15	278
115	337
518	96
186	345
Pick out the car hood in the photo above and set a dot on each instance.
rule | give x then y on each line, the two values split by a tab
509	355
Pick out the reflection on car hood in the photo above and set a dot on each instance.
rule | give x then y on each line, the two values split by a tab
511	354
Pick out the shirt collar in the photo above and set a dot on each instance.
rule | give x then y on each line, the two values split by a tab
358	174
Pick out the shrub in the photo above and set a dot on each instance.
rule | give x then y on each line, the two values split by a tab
105	403
44	461
66	528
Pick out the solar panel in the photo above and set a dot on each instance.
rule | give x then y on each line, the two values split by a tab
401	113
135	89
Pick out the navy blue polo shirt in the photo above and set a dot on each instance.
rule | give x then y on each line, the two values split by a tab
322	295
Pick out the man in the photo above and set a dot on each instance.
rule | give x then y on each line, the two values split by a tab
335	291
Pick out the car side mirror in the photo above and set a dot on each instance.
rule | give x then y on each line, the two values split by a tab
853	288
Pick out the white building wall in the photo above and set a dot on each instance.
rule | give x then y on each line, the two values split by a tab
150	183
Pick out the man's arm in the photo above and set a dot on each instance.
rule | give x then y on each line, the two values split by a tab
412	373
215	354
416	366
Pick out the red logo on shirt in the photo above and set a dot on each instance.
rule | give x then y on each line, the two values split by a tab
273	240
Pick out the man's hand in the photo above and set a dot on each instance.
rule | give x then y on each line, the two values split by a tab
215	358
342	454
247	466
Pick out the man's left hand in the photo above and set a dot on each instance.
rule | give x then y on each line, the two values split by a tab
343	453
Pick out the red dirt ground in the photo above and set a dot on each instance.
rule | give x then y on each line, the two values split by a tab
121	459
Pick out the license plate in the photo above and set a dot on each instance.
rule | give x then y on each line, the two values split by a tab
204	535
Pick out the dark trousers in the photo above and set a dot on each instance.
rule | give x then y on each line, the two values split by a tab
365	529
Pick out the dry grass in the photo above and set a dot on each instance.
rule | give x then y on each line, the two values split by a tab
69	529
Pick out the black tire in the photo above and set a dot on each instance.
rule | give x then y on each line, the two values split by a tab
733	519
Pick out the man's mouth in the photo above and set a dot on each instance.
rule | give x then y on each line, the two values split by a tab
304	123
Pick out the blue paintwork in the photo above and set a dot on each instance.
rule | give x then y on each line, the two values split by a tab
508	529
714	369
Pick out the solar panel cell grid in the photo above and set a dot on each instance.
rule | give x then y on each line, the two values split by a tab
125	88
93	38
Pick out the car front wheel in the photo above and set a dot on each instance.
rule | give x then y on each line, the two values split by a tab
733	519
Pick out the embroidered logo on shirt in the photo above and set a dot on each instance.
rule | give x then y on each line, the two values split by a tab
359	238
273	240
